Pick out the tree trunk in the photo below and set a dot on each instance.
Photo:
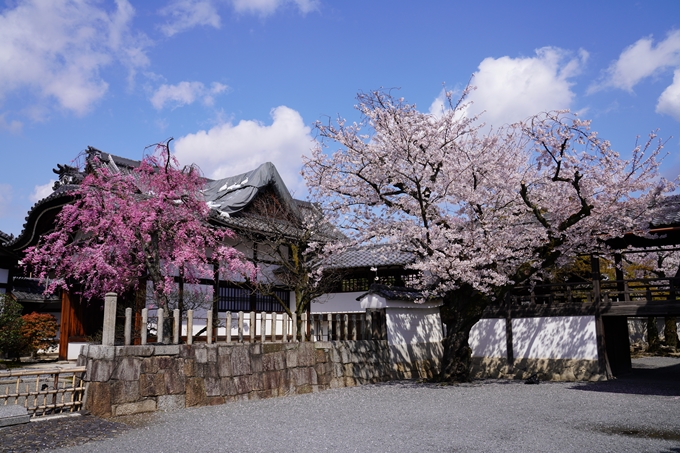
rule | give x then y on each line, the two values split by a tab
461	310
670	332
652	335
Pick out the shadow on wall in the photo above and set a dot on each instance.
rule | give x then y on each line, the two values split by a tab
414	338
558	348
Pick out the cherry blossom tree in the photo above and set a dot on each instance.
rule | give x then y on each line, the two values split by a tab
480	211
124	227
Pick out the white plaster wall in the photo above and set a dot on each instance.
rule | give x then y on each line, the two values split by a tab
413	326
563	337
4	275
337	303
488	339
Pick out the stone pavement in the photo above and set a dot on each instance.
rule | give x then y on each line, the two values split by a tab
635	413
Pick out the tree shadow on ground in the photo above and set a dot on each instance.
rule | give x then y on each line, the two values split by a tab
646	378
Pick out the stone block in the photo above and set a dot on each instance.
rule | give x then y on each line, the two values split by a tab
227	386
272	379
321	355
349	381
145	350
98	399
242	384
338	370
255	348
307	388
189	367
174	377
306	354
212	386
99	370
323	345
187	351
337	383
170	402
292	358
214	400
127	369
149	365
269	348
335	355
240	361
209	369
324	372
124	391
302	376
99	352
224	365
205	353
152	384
256	363
13	415
195	395
166	349
134	408
274	361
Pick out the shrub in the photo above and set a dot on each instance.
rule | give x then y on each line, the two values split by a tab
12	341
39	331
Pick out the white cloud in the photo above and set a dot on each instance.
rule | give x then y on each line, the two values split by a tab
512	89
267	7
185	93
228	149
57	48
12	126
183	15
642	60
42	191
186	14
669	101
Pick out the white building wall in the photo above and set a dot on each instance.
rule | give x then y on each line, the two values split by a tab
338	303
560	337
488	339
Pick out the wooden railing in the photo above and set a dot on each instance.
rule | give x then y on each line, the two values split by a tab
624	297
43	392
249	327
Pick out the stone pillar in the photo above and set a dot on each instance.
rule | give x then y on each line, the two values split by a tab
177	325
128	326
144	326
190	326
109	328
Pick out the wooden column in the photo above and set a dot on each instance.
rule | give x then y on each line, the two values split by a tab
64	330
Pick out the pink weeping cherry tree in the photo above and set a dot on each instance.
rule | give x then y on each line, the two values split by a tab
124	228
479	210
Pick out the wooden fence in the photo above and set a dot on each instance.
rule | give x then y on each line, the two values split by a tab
43	392
250	327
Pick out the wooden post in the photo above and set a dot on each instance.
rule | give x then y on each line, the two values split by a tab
329	320
284	328
227	324
294	327
263	324
603	360
252	326
128	326
65	324
109	330
144	326
177	324
190	327
354	327
209	327
159	325
303	334
345	328
240	327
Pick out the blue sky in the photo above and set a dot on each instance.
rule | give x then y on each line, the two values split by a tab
241	82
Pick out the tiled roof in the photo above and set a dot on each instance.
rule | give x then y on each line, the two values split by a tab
29	290
669	214
5	238
379	255
393	292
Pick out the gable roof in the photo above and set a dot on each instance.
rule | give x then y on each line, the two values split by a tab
375	255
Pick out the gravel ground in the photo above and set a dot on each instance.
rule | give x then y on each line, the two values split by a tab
639	412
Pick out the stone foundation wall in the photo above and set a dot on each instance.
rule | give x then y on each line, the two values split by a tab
547	369
124	380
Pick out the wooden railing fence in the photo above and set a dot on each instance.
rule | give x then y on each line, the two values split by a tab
43	392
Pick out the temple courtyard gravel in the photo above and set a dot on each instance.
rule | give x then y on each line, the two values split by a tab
639	412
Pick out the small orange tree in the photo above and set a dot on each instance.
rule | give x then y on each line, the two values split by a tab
40	331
